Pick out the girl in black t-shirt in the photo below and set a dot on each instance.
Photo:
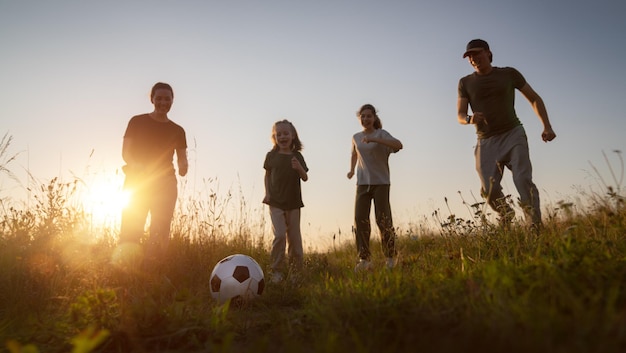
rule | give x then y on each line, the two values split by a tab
284	168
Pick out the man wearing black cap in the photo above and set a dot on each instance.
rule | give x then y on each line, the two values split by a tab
502	142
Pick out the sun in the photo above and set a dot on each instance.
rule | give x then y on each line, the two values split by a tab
104	200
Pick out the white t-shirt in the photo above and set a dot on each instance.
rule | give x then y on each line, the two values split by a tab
372	166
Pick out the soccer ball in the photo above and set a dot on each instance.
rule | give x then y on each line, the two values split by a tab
237	277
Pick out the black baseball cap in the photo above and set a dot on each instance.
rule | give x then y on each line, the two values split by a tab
475	45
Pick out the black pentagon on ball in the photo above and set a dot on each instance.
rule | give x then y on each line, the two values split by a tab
216	282
241	273
261	287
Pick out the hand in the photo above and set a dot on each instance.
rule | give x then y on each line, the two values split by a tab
295	163
548	134
350	174
367	139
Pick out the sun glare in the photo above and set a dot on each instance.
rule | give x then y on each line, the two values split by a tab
104	202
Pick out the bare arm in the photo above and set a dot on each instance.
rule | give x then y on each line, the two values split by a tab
393	143
126	148
266	198
461	113
540	110
461	110
295	164
132	165
353	159
183	164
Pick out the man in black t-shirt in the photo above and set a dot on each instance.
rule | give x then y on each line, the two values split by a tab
502	141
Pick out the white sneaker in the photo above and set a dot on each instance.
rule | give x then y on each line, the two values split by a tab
390	263
276	277
363	265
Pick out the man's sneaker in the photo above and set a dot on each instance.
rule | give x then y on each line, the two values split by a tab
276	277
390	263
363	265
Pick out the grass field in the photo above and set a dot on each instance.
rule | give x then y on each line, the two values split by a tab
470	286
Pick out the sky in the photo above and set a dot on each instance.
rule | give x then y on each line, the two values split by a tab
74	72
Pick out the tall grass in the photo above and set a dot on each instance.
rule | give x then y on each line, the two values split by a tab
468	286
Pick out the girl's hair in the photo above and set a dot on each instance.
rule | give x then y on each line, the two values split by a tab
160	85
377	123
296	144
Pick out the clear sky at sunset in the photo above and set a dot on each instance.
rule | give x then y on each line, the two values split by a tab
74	72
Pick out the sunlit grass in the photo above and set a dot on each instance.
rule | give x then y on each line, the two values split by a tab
467	286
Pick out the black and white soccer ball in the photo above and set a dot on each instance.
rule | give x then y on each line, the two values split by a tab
237	277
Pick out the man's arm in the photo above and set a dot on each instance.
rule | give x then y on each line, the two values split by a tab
462	116
540	110
461	111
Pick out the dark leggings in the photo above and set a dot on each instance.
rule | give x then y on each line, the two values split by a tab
382	210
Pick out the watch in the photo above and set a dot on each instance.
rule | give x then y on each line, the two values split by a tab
468	119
